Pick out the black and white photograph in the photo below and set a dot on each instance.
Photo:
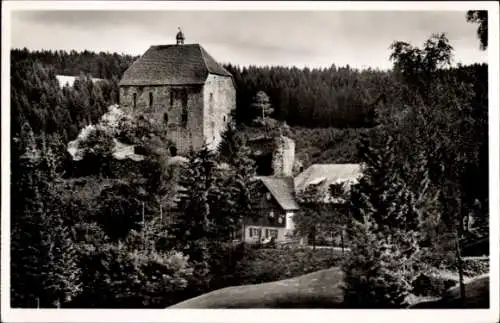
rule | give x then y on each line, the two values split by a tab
166	155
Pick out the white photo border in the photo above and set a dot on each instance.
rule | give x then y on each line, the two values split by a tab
256	315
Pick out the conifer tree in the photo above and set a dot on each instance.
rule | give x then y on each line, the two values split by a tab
230	143
262	104
194	223
373	277
45	269
385	231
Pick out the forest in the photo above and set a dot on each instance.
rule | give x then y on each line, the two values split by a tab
120	235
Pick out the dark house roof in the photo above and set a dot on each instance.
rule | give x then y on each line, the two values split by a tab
282	189
173	65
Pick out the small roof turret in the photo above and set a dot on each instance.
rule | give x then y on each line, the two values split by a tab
180	37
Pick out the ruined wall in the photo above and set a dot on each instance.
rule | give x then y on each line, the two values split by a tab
219	96
283	156
179	107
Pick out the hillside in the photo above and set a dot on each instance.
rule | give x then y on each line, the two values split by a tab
320	289
323	289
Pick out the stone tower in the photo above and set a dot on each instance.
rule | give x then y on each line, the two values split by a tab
185	88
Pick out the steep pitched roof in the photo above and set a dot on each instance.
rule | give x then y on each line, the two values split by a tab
325	175
172	65
281	188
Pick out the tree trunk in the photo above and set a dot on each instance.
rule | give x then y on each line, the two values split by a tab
143	228
314	239
460	270
458	234
342	240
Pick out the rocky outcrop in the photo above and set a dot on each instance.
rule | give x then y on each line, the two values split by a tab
109	123
283	156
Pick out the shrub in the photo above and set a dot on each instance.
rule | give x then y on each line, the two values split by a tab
434	281
265	265
432	284
224	261
473	267
117	278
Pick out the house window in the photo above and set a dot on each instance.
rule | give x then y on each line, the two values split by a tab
271	233
171	98
268	196
184	117
224	118
254	232
212	129
150	99
271	214
211	105
135	100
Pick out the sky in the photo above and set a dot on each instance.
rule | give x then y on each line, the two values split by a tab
360	39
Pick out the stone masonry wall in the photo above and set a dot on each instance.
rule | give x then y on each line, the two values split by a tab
219	96
283	156
168	105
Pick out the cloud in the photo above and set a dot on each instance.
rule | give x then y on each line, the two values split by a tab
81	19
250	37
